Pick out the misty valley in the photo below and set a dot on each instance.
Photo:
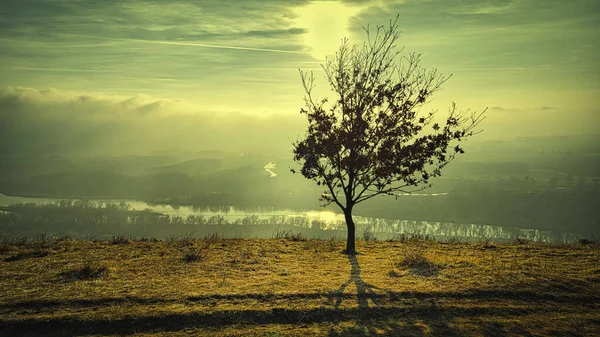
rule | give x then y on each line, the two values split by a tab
540	189
299	168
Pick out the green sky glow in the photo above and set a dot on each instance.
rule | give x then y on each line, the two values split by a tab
528	60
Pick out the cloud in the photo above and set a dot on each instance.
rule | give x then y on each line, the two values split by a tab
244	56
55	121
203	50
191	44
150	19
487	7
507	122
519	110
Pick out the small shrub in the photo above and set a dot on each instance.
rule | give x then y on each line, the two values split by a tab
419	265
212	238
193	255
280	233
187	238
183	239
6	245
587	242
413	260
121	240
89	271
21	242
487	242
296	237
287	234
91	237
41	241
147	240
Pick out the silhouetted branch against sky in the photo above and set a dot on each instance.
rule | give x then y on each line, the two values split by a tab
372	137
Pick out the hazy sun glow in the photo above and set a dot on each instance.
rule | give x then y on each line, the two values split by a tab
326	23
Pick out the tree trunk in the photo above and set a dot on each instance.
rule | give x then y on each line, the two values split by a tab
351	240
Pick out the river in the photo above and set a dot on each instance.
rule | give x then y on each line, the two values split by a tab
327	220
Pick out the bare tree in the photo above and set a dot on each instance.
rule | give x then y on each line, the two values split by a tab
373	139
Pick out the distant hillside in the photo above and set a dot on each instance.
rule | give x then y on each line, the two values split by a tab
191	167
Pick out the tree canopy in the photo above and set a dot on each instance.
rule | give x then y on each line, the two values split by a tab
373	138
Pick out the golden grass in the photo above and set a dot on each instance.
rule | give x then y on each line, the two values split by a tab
280	287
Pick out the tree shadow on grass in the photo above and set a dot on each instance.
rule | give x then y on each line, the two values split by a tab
364	290
400	326
417	317
379	320
407	313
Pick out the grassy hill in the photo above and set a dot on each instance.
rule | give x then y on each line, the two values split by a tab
290	286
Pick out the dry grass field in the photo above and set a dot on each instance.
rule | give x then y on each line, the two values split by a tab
297	287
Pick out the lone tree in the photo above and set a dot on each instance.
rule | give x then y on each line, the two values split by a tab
373	139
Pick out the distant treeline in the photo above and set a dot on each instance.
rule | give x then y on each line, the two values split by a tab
559	210
84	217
77	218
565	210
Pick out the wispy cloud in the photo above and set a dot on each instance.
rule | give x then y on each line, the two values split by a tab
56	69
487	7
184	43
518	110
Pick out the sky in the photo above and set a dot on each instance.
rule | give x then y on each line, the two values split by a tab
183	72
